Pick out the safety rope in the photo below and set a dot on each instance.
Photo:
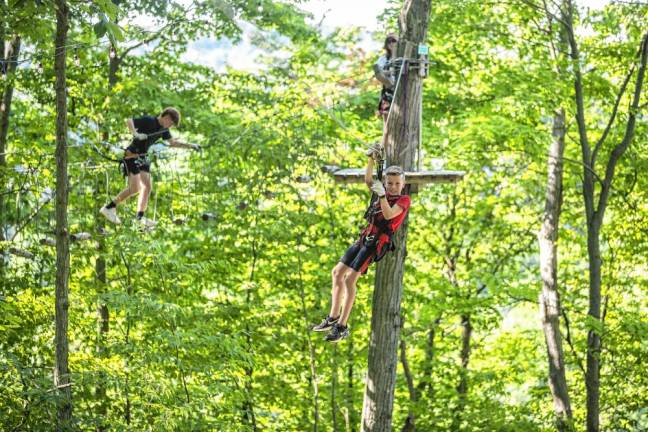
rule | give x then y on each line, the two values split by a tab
404	104
381	162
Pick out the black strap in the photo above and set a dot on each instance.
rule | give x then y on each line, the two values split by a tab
94	147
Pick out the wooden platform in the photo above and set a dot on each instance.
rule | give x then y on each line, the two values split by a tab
355	175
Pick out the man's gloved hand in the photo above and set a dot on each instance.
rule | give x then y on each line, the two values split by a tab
139	136
378	188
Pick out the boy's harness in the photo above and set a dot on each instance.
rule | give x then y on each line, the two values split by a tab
140	160
378	233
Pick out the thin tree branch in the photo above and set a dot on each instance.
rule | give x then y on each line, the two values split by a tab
156	34
588	183
542	8
408	372
568	338
410	421
585	166
621	148
613	116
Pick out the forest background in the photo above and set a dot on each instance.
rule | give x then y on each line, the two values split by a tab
203	324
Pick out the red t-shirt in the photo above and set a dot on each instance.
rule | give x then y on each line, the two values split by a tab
403	201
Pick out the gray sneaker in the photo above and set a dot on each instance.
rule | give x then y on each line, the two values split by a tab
110	214
325	325
147	224
338	332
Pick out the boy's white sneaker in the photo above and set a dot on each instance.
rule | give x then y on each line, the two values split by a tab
110	214
147	224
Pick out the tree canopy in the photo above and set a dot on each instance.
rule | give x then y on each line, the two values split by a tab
204	322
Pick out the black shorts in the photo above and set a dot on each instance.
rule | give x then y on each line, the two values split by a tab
359	256
386	98
135	166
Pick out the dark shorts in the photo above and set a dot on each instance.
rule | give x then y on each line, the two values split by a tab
135	166
359	256
386	97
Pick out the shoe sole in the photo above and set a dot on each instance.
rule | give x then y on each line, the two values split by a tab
335	340
322	329
117	222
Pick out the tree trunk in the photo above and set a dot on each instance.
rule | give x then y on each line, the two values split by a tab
550	297
351	416
127	359
3	144
592	380
10	53
595	209
104	327
311	351
383	342
402	142
425	384
62	373
462	387
594	224
334	385
249	417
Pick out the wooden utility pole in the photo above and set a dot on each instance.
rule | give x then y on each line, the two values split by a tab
61	371
402	143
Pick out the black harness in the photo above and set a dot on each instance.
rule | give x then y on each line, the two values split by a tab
382	230
139	161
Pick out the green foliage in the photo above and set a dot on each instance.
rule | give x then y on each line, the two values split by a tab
208	320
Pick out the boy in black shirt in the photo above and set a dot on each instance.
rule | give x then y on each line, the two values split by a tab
146	131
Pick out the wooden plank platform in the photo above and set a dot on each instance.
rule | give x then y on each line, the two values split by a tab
356	175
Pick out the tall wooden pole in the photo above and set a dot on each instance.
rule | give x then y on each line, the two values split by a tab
402	143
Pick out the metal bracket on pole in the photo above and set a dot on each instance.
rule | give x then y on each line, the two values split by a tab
420	63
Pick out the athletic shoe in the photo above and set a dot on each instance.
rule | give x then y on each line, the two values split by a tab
147	224
338	332
325	325
110	214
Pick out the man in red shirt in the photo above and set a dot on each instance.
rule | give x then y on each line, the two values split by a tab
385	216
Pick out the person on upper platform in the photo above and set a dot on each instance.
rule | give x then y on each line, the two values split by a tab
384	73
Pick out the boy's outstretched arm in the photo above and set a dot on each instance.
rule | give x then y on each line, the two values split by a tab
174	142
